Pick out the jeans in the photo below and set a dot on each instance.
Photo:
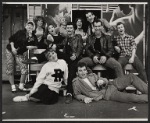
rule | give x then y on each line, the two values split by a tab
111	63
137	64
113	91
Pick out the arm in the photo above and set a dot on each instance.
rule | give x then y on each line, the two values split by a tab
77	93
39	80
65	72
79	46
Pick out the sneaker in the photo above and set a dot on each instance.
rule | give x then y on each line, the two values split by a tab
68	98
13	89
22	88
20	99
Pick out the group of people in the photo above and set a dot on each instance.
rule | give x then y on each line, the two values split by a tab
71	53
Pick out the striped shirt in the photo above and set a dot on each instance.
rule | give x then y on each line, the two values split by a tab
126	44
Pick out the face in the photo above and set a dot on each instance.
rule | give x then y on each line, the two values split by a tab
90	17
40	22
121	29
29	27
79	24
51	30
70	29
97	27
51	56
82	72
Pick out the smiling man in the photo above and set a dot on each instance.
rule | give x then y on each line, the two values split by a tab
126	46
73	46
89	87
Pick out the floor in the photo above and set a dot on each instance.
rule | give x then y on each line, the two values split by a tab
76	111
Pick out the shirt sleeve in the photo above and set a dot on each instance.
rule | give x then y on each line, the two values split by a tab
133	44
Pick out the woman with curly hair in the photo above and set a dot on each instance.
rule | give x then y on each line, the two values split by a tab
40	32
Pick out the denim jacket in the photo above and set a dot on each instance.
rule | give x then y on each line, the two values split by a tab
106	46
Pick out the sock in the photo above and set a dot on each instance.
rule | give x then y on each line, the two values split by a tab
21	85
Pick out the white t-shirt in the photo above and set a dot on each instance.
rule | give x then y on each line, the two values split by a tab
89	83
52	74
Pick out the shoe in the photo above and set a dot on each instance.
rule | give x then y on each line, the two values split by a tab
13	89
22	88
68	98
20	99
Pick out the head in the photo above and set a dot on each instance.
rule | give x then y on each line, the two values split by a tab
90	17
51	55
97	26
63	24
70	28
29	26
120	28
82	70
52	30
79	23
39	21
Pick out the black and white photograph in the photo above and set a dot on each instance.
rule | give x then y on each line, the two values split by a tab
75	61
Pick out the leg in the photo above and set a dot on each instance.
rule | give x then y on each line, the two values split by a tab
115	65
123	61
140	69
122	82
45	95
10	69
23	68
128	97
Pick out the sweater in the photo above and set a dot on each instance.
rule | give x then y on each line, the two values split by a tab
52	75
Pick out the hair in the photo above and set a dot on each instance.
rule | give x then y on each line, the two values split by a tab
97	20
30	23
37	18
81	64
89	12
119	23
71	23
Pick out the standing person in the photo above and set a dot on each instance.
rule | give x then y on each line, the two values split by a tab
48	82
90	18
73	45
126	46
40	32
99	50
88	87
15	51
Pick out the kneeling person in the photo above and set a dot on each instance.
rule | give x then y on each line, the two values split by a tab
48	82
88	87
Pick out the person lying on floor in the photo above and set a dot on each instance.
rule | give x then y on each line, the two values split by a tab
48	82
88	87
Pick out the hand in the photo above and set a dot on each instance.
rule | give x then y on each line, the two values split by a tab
28	96
95	59
88	100
100	82
117	49
14	50
102	59
73	57
131	60
50	38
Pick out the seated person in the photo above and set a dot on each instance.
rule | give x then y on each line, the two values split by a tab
48	82
88	87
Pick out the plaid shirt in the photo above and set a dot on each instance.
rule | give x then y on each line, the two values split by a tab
126	44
